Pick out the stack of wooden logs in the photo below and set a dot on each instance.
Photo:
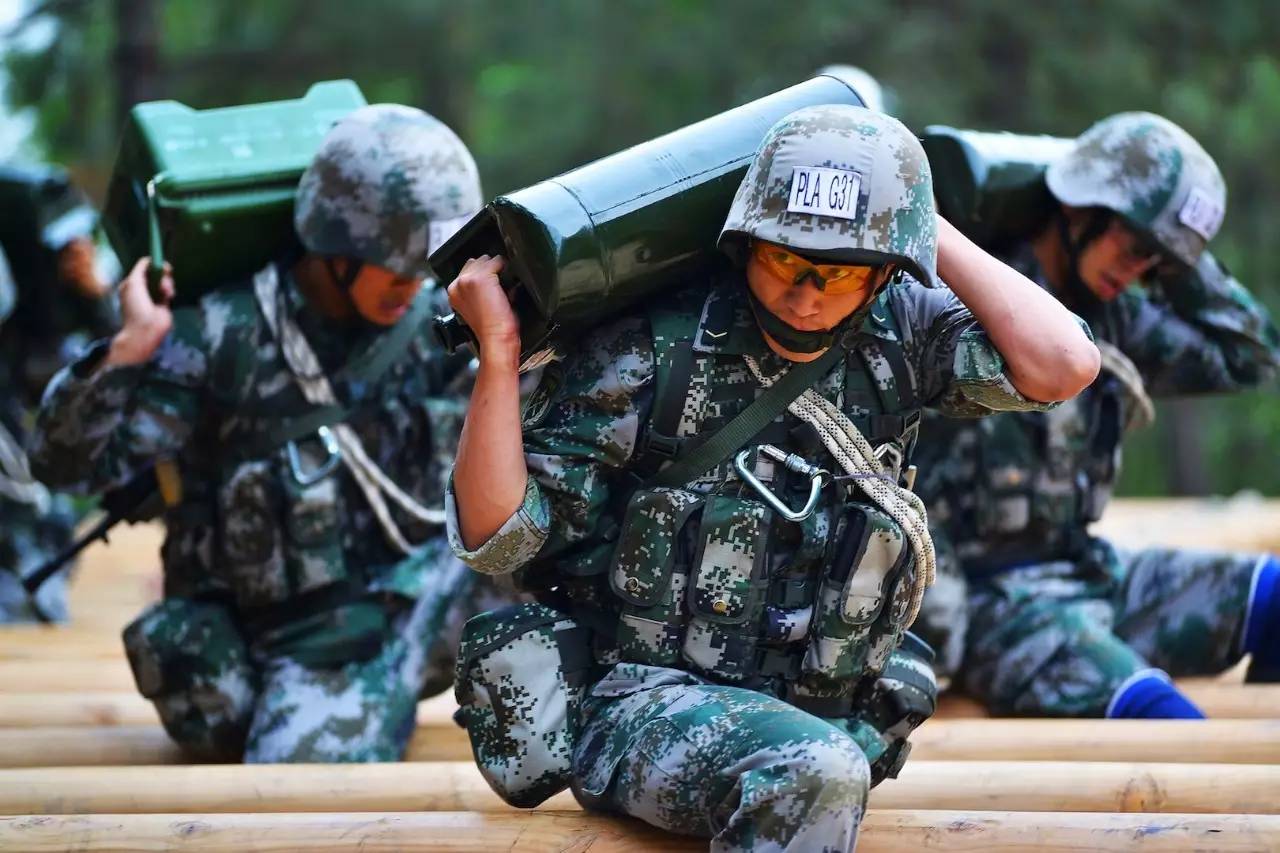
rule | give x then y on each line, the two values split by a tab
84	764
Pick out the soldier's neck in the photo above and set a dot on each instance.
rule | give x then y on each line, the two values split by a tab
800	357
320	290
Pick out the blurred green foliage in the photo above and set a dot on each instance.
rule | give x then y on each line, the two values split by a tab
539	87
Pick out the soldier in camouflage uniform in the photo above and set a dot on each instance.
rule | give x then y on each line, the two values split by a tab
309	593
57	306
745	681
1062	623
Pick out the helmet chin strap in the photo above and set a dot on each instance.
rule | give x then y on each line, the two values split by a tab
802	340
345	280
1096	225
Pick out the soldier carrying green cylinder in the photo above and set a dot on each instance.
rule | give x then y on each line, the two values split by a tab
707	498
1060	622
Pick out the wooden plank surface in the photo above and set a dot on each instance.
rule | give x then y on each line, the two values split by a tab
458	786
1178	741
886	831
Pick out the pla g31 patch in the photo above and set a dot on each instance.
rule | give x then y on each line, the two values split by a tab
536	405
1201	213
824	192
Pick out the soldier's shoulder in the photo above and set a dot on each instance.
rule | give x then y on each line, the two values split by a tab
227	315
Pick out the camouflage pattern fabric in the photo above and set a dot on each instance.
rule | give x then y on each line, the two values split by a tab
223	699
1020	489
246	531
876	206
1059	638
1150	171
30	536
745	769
387	186
582	433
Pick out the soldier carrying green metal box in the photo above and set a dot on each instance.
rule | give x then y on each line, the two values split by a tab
310	597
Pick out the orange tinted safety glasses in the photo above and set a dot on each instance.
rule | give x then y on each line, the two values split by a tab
838	279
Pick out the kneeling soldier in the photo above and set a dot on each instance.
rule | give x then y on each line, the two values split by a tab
1062	623
708	500
308	583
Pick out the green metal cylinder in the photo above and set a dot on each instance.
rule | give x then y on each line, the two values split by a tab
991	185
583	247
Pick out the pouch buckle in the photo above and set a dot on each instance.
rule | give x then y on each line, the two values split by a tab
818	477
310	478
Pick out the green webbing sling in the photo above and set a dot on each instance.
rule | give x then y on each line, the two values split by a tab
367	366
747	423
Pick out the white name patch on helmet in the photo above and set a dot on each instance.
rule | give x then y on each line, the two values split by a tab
1201	213
824	192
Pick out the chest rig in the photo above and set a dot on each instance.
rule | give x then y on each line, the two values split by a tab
279	507
714	576
1043	477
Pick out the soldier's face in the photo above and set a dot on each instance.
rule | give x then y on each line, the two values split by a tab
1116	260
796	299
382	297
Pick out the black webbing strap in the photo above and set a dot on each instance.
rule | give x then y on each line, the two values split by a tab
366	366
747	423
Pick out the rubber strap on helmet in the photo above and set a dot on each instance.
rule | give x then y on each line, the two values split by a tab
347	279
1095	227
791	338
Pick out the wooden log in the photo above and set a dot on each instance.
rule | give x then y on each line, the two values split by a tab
1194	741
882	832
1238	524
19	710
73	746
130	709
1082	786
458	786
1220	700
1183	741
79	676
53	649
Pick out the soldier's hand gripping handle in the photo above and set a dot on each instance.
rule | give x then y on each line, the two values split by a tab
483	305
145	321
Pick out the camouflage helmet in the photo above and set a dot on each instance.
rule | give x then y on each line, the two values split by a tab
1151	172
842	183
387	186
861	81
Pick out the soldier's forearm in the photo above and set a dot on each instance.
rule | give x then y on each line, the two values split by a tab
1048	355
490	474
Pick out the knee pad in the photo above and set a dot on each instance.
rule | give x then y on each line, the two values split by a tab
190	659
1262	622
1150	695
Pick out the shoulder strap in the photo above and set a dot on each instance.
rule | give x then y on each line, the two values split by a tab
747	423
672	330
383	351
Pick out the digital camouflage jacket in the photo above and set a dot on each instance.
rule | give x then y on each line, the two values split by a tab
705	577
1022	487
213	398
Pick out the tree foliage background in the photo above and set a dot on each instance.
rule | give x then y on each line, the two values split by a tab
539	87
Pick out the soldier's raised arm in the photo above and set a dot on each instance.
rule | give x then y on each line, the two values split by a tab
490	473
1047	353
127	400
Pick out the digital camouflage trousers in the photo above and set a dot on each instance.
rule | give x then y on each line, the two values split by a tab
747	770
1059	638
221	701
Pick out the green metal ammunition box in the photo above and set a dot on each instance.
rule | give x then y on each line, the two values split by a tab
991	185
585	246
211	191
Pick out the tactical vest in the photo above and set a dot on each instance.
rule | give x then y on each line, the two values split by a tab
1042	478
273	486
710	579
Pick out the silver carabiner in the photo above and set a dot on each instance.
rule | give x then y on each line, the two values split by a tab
818	478
330	444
